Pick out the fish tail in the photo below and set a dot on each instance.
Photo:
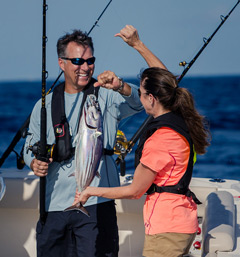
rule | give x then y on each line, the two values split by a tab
78	207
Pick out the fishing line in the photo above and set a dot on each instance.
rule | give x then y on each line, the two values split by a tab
136	136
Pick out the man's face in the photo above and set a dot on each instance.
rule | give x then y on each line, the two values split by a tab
76	76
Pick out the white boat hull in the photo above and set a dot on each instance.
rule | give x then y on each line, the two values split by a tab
220	234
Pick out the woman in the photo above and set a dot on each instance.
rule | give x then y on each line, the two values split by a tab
166	159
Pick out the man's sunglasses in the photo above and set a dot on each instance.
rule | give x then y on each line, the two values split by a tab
80	61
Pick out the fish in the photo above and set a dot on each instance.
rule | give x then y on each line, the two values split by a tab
2	188
88	147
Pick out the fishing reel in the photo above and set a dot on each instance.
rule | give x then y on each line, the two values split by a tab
20	160
121	144
36	150
120	149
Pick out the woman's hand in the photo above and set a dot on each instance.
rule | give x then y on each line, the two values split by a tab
130	35
81	197
77	194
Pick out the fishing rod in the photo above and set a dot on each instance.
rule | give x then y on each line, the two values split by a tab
22	132
42	153
124	151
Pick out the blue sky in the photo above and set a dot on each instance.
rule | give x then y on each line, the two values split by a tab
172	29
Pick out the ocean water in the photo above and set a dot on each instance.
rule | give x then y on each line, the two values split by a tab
217	98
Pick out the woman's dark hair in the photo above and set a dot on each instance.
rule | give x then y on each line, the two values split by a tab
78	37
163	85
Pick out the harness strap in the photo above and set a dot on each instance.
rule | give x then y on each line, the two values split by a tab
108	151
173	189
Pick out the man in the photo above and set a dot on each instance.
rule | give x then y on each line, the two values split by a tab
73	233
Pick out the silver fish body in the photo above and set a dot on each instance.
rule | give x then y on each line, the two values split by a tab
88	146
89	143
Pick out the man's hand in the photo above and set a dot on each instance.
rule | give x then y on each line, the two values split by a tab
40	168
109	80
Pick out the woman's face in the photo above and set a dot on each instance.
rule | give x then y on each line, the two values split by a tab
145	99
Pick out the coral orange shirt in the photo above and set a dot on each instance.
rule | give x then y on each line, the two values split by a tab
167	152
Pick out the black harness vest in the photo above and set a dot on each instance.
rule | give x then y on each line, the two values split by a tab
63	149
176	123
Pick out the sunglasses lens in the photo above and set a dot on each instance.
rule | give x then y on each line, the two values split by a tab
77	61
90	61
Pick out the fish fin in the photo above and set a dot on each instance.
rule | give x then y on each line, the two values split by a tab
97	134
76	138
78	207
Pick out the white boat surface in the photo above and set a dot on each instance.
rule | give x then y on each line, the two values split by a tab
219	217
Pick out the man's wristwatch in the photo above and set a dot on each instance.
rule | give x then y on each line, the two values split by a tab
121	85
